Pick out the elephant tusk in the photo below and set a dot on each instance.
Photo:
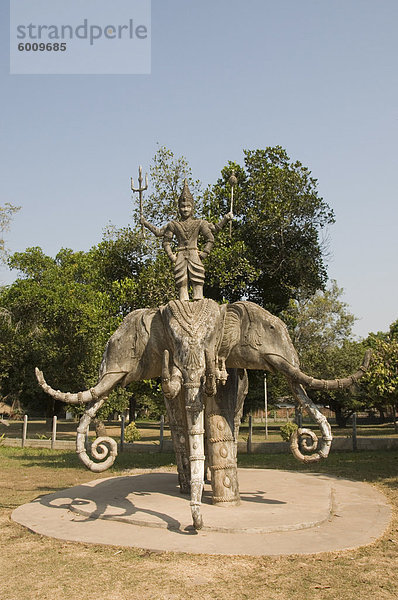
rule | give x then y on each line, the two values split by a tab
298	376
103	387
336	384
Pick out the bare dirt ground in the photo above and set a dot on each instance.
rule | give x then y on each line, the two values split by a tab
35	567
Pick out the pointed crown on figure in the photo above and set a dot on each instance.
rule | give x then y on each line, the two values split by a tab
186	195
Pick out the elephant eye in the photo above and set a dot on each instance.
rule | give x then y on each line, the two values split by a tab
271	327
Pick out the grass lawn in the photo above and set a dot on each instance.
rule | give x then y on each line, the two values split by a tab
36	567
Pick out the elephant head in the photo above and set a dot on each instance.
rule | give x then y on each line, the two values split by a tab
255	339
193	334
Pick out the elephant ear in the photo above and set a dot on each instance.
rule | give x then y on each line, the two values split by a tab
128	342
231	331
147	318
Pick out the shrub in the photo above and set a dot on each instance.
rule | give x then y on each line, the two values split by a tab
131	433
287	430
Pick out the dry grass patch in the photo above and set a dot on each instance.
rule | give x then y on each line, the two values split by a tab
36	567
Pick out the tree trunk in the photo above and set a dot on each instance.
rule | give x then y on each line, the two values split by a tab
50	412
341	417
100	429
132	408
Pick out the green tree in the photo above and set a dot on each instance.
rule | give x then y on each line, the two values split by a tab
6	213
60	312
321	331
131	271
319	322
75	301
54	319
394	330
381	381
279	221
167	174
275	251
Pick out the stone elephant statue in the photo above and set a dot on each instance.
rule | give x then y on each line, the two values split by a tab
201	351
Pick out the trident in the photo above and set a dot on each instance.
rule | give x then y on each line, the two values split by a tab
140	189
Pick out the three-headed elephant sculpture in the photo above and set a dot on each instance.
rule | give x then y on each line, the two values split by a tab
201	351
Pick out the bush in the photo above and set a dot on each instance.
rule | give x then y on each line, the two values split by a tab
287	430
131	433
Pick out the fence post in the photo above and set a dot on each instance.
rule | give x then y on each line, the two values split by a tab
299	417
354	432
24	430
122	424
54	433
161	433
265	406
249	439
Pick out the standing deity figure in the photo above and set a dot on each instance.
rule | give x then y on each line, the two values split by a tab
187	259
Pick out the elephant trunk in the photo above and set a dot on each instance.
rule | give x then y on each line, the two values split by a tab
103	387
296	375
302	436
171	384
210	386
103	448
195	422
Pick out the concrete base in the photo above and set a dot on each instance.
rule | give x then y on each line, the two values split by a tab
281	512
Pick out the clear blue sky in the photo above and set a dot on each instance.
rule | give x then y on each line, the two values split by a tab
318	77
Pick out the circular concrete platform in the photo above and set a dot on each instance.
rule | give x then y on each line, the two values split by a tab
281	512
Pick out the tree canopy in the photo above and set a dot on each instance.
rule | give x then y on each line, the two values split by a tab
60	311
321	329
277	250
55	319
6	213
381	381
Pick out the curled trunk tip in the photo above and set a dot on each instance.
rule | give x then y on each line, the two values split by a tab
303	435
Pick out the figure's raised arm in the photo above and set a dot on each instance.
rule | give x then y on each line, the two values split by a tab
159	232
216	227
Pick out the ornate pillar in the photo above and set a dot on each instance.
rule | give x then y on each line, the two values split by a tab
223	413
